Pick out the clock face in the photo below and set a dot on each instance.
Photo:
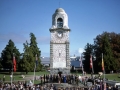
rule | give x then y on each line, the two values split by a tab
60	34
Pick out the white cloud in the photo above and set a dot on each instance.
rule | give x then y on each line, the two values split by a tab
81	50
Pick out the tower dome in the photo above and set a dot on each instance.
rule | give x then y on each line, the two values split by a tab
59	10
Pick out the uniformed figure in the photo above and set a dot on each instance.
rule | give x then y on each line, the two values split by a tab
56	79
71	79
51	78
64	79
4	78
41	80
44	79
11	77
59	79
77	80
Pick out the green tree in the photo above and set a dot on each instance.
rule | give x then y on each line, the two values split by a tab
35	51
25	62
29	56
115	45
102	44
107	52
7	55
0	63
88	50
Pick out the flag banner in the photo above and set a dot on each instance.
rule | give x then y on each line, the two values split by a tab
90	61
102	63
80	62
14	64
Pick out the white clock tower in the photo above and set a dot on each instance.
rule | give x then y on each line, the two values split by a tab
59	43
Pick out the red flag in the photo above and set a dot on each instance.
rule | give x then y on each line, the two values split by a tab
90	61
14	64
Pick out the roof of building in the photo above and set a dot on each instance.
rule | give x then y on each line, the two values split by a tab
76	63
45	60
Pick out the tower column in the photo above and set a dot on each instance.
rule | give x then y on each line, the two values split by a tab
51	55
67	58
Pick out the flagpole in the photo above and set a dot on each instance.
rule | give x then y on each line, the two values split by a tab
92	65
104	67
81	63
34	74
34	70
12	73
103	72
12	69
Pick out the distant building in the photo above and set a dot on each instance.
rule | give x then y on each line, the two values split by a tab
45	61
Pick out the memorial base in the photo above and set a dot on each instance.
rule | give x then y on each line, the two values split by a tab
59	70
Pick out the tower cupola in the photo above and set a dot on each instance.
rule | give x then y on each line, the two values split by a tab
60	19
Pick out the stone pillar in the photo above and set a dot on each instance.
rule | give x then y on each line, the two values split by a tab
67	58
51	57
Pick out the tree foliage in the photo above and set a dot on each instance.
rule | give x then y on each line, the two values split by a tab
109	45
104	44
0	63
29	56
7	55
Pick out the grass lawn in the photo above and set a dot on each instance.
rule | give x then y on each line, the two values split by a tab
112	77
17	76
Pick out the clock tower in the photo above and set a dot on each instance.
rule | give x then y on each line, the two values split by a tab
59	43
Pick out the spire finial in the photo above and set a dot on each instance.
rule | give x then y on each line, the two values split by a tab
59	4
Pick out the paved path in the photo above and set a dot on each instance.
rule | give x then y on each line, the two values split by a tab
64	85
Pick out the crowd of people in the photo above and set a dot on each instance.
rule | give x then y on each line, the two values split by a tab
89	83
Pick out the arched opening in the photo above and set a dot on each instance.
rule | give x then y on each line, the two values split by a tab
59	23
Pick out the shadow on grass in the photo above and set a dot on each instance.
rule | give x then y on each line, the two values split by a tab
15	73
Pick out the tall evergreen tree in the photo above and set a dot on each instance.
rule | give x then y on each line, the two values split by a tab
0	63
25	62
102	44
7	55
107	52
28	61
115	45
35	50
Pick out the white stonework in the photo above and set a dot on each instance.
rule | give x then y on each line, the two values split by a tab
59	56
56	39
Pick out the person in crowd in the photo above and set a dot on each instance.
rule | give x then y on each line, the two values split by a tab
4	78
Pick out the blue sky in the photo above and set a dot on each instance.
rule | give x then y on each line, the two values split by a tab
86	19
